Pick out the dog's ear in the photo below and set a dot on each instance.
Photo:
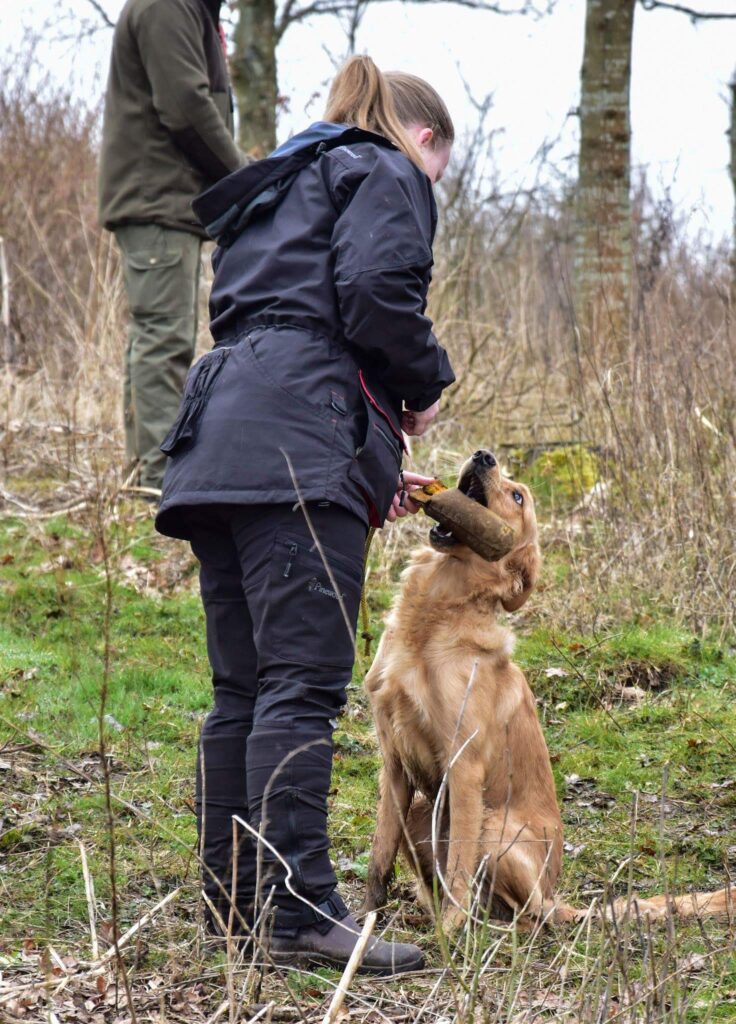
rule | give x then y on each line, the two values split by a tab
522	568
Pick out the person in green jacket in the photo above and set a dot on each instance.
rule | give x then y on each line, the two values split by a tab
167	136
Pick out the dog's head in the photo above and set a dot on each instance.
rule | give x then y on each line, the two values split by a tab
514	576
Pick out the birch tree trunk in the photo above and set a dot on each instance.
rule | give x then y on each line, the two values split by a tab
8	342
603	229
253	74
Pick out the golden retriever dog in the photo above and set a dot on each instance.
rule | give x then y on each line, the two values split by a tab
466	787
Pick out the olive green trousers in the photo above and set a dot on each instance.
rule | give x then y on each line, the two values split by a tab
161	274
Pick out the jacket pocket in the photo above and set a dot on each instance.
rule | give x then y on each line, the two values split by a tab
296	363
375	467
197	391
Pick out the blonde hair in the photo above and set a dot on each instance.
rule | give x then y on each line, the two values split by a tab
388	104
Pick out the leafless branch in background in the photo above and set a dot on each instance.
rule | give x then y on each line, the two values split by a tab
106	19
75	20
260	27
292	13
652	5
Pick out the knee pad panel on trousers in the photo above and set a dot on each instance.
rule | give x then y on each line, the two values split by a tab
288	783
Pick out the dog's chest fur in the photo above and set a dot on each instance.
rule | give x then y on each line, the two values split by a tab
435	676
413	741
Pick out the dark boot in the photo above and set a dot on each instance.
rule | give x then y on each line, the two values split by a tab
309	948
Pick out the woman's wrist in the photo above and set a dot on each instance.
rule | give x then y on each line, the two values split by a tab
415	422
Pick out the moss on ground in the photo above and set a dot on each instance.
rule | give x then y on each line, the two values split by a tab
560	476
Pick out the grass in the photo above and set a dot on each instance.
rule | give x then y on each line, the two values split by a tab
622	712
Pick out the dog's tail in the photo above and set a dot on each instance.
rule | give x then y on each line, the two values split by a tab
719	904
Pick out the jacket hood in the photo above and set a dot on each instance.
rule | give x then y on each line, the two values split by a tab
227	208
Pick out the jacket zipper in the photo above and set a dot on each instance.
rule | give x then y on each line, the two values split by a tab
386	440
381	411
292	555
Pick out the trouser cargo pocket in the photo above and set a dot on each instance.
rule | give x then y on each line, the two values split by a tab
311	613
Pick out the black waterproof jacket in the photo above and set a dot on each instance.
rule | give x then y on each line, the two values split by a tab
317	311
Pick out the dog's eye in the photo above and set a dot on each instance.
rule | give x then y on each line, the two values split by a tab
518	497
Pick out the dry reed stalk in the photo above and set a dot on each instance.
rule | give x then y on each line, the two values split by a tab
89	891
350	971
131	933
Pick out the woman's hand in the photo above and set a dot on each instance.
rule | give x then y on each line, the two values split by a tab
415	423
411	482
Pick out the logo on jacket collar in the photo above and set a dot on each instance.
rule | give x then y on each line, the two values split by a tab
346	149
314	586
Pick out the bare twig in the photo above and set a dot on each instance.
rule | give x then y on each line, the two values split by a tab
292	14
585	683
106	19
350	969
219	1012
125	938
89	890
101	530
318	545
651	5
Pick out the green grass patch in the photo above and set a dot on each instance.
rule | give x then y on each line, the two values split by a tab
639	720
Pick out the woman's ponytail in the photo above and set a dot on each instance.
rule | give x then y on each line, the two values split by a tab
360	95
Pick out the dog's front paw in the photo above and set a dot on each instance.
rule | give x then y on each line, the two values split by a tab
453	918
365	908
375	898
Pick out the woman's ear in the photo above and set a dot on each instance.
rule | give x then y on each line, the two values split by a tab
522	568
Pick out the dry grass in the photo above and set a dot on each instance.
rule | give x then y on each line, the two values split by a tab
658	406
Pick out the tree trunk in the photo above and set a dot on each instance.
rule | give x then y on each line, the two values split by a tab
8	341
253	73
603	231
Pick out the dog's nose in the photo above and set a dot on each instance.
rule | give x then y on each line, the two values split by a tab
484	458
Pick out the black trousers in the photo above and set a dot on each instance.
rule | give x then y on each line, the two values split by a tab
280	633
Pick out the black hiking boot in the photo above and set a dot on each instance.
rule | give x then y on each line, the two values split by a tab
309	948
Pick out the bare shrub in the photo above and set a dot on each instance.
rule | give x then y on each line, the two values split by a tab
656	405
47	206
62	397
65	309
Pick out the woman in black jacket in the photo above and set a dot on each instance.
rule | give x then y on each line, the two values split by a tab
288	445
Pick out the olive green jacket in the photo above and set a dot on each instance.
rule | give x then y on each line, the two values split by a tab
167	132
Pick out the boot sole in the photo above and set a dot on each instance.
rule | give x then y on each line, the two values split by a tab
305	960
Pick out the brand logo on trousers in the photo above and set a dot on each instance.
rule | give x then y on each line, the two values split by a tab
314	585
